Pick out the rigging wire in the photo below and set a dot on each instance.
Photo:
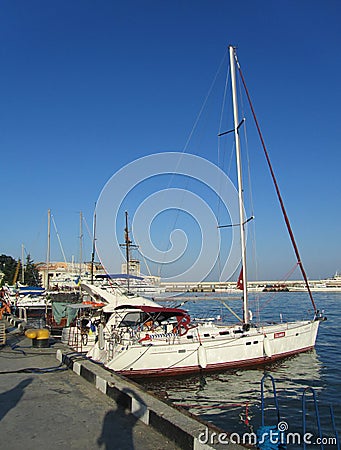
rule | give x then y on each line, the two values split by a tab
188	141
221	164
252	229
33	272
279	196
113	286
205	101
98	256
143	257
285	278
87	228
58	237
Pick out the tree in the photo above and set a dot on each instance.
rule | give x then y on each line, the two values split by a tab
12	271
8	266
31	274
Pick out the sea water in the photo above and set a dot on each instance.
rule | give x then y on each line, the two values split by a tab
232	399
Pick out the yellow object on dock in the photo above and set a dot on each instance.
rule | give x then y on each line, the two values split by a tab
37	333
39	336
31	333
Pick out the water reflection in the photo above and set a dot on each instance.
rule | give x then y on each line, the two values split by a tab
231	399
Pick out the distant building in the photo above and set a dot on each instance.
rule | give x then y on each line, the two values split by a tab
65	274
134	267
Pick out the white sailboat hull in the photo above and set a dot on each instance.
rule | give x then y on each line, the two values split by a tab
204	348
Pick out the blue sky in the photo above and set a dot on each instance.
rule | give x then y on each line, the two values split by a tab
87	87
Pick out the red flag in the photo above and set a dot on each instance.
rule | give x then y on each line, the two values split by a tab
240	282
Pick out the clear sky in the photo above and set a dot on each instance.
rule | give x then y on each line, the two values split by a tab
88	87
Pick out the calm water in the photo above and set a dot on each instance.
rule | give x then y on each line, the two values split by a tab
224	398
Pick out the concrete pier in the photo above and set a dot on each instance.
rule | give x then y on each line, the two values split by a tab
44	404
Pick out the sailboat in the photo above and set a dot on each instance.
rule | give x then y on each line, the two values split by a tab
143	339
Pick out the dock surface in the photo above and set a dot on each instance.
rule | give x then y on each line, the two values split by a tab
56	398
43	404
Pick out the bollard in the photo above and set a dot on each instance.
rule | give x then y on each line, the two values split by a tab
39	336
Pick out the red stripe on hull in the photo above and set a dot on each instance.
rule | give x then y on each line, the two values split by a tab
190	370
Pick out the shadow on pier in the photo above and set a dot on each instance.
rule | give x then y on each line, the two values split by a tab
9	399
122	418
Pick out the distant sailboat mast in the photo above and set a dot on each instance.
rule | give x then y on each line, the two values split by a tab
47	282
240	185
80	243
127	243
93	247
22	264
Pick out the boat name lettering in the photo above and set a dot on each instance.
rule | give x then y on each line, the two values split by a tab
279	335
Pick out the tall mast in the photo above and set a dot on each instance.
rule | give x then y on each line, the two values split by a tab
80	243
240	184
93	248
47	282
22	264
127	246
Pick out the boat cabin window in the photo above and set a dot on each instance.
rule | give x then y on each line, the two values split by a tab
131	319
